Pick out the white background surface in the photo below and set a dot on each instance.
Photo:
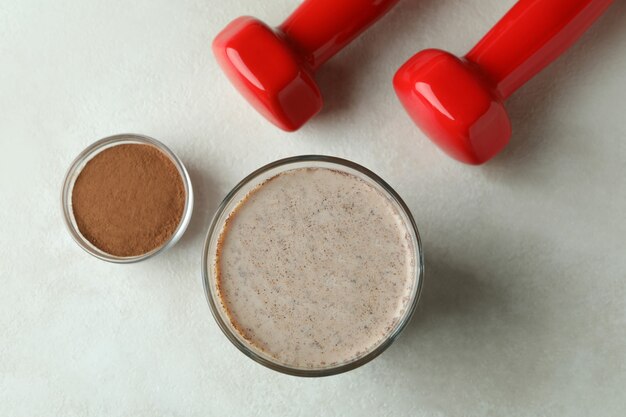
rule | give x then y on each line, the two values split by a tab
524	305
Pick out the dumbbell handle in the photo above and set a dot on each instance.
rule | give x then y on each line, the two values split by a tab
318	29
529	37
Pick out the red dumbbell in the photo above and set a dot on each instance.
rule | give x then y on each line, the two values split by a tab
458	103
273	68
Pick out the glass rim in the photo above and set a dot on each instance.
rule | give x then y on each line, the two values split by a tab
80	162
207	275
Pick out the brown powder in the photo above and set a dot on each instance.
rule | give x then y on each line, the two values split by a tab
128	199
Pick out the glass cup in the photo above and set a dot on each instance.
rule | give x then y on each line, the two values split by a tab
231	201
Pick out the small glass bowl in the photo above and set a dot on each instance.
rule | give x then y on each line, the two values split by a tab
78	165
232	200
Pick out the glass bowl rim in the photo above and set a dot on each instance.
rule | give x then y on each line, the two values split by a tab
79	163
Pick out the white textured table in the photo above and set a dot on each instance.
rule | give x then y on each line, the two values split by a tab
524	306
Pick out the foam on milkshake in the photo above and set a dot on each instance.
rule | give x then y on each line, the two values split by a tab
315	268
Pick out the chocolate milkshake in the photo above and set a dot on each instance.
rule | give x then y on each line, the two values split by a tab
314	268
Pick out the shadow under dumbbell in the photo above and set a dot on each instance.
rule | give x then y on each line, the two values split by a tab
531	108
340	77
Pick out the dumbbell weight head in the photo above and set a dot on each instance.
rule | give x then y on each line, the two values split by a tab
454	105
267	72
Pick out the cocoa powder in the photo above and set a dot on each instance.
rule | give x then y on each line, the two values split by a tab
128	199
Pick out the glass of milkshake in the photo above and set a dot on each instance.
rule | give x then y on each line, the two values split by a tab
312	265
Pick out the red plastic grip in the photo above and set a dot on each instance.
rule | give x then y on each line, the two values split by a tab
529	37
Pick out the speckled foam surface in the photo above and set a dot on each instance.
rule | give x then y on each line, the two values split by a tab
524	305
